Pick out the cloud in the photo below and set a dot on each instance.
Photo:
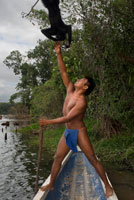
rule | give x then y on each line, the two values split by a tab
1	84
10	89
16	33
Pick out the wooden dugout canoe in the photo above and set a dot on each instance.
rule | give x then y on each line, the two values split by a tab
77	180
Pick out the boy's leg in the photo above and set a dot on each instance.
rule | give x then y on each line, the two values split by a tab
86	147
61	152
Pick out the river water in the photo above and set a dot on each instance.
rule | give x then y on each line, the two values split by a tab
18	162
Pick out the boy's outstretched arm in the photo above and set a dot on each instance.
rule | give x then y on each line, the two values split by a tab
75	112
68	84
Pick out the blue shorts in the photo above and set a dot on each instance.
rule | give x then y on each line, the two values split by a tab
71	139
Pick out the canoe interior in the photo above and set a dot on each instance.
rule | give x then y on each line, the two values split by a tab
77	180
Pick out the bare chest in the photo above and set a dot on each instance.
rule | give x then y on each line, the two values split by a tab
69	103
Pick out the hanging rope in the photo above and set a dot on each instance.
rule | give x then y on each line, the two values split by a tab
39	159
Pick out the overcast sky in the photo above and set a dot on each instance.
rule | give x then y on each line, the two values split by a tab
16	33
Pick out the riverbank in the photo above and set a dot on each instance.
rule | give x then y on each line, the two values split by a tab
118	150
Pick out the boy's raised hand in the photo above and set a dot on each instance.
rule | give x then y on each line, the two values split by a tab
58	47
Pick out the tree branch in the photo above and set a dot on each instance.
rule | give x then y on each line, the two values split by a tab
31	9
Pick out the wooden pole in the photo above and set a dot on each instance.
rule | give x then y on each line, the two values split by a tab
39	159
5	136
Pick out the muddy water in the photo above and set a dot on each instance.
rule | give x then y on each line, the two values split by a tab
122	181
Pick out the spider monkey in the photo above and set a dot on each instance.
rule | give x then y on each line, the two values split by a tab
58	30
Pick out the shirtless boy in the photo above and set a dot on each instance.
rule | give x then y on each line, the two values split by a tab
73	112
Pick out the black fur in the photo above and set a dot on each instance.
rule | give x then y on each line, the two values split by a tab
58	31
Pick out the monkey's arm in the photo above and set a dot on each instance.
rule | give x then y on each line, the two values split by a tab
69	32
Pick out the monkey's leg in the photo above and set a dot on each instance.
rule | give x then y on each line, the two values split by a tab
59	36
66	31
49	32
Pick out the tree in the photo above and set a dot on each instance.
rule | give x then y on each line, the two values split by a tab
4	108
102	47
104	31
107	39
34	69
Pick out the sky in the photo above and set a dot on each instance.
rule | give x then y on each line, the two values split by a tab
16	33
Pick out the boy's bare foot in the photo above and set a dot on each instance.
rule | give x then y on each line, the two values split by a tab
109	191
47	187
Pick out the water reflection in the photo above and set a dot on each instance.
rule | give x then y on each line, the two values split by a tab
18	162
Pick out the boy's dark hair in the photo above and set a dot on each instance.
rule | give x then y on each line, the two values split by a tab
91	85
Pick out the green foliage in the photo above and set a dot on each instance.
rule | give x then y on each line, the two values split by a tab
14	61
102	48
30	129
47	101
19	110
107	44
40	58
34	69
119	149
50	139
4	108
39	17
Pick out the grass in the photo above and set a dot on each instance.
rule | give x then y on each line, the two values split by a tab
30	129
118	150
51	136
